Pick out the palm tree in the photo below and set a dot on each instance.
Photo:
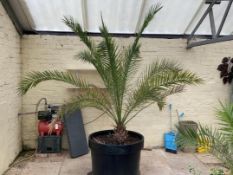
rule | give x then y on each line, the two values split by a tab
219	141
123	99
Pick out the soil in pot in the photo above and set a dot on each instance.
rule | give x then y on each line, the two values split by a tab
109	139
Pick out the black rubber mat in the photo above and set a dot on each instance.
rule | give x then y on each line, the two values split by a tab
76	134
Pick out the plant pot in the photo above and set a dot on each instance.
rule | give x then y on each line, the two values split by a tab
110	159
187	125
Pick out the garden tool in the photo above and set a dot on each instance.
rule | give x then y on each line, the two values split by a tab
170	137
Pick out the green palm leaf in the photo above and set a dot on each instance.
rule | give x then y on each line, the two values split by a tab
77	28
161	79
91	97
131	58
225	116
32	79
219	140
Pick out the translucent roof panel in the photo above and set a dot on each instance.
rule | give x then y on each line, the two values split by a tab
120	16
48	14
228	26
177	17
174	17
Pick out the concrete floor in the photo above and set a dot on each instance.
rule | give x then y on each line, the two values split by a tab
155	162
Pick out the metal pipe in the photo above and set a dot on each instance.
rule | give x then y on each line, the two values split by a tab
26	113
37	106
38	103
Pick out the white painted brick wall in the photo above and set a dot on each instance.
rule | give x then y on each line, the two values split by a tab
10	103
57	52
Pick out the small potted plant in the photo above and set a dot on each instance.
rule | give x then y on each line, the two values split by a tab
117	151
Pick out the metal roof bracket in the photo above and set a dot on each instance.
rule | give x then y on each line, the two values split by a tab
215	34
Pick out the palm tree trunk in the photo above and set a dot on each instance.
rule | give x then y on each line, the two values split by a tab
120	134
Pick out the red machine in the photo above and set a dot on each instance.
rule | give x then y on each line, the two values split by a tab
43	128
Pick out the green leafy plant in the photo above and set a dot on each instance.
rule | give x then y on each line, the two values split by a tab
217	171
117	67
213	171
220	141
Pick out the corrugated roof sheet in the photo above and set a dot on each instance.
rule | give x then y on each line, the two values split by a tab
122	16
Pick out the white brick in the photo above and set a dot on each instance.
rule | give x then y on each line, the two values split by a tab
10	104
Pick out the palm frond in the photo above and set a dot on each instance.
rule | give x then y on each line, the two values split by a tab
203	136
32	79
166	73
145	98
77	28
91	97
187	137
108	47
153	10
219	140
225	116
139	98
93	56
163	66
109	50
86	56
160	80
98	61
132	53
173	90
206	136
107	60
164	80
102	51
131	59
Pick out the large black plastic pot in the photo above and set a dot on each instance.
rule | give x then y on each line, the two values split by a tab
109	159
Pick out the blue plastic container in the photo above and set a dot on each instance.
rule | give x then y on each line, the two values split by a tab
170	142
